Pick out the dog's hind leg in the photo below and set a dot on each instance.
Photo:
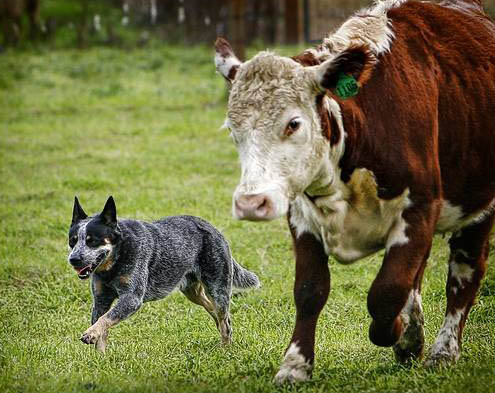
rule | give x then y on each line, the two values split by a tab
224	326
216	274
195	292
220	298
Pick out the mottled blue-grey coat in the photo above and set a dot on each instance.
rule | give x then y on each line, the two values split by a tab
135	261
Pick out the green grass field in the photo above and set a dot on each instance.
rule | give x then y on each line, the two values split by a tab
143	126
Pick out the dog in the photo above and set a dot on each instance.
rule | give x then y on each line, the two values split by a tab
136	261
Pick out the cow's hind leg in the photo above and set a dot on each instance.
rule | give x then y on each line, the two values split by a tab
311	290
468	253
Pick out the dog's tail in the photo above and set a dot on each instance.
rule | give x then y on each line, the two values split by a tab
243	278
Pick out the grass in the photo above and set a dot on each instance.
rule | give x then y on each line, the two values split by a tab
143	125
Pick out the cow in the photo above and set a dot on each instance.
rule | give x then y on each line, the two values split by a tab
378	138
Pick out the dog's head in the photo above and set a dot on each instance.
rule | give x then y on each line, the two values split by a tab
92	240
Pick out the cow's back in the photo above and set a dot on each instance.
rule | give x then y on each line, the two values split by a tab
445	57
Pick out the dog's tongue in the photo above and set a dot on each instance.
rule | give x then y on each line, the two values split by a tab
84	272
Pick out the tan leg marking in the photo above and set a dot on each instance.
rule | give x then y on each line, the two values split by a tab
197	295
98	332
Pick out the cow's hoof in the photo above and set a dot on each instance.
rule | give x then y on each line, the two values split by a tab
411	344
291	375
441	359
407	356
295	368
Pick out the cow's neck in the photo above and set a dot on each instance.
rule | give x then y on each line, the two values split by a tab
327	182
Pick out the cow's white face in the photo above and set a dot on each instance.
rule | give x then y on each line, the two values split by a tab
274	122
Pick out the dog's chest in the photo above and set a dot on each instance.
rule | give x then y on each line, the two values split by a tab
353	221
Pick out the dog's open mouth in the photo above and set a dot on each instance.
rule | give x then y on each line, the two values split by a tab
84	272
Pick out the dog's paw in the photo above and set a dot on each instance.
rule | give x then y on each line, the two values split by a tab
91	336
102	343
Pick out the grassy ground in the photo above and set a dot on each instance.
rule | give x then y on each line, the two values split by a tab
144	126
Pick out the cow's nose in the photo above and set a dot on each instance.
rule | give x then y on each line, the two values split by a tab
253	207
75	260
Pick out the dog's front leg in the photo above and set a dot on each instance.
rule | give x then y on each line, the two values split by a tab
127	305
103	298
99	309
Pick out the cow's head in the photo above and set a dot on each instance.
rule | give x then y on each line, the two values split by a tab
274	122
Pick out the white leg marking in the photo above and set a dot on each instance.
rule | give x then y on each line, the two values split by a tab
294	368
411	342
446	347
397	235
461	271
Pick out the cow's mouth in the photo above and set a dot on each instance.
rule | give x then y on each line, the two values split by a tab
84	272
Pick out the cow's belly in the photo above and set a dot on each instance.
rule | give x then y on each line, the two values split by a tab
352	222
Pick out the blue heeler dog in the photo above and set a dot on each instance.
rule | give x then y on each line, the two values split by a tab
137	261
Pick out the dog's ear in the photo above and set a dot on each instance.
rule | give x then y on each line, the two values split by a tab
109	213
78	213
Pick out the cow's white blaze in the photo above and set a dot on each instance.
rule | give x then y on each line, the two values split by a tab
267	93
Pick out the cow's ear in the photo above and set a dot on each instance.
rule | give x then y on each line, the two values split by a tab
78	213
225	60
109	213
347	72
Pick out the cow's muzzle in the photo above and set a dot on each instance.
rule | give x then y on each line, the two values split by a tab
256	207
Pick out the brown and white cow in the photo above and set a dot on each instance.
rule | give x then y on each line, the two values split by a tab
413	153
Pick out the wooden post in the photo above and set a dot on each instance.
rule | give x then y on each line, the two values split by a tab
237	28
294	21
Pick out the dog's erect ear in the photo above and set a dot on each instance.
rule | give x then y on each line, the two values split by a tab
78	213
225	60
109	213
347	72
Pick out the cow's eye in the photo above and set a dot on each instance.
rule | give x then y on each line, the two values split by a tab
292	126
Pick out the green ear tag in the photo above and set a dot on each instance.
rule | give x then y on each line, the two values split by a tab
347	86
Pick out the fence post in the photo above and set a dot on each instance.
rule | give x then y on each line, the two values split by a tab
237	27
294	21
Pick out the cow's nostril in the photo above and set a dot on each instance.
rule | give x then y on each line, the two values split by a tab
253	207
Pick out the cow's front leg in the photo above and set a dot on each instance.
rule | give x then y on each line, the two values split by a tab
127	305
411	342
311	289
394	300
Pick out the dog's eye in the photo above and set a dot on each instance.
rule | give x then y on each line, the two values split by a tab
91	241
72	241
292	126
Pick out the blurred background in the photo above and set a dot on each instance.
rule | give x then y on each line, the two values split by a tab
82	23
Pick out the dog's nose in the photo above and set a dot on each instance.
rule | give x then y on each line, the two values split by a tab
75	260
